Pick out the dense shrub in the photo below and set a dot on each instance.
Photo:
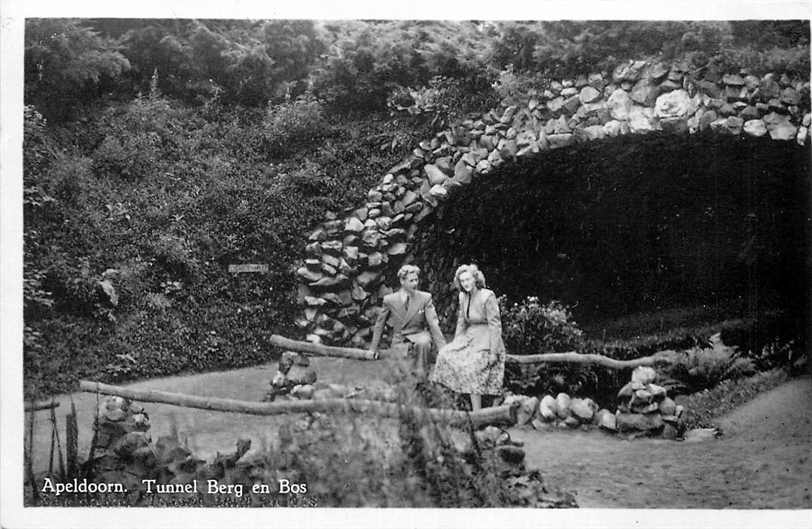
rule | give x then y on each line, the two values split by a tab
368	60
294	125
137	139
704	367
510	85
531	327
211	199
174	254
38	147
793	61
356	65
444	100
696	366
66	63
68	178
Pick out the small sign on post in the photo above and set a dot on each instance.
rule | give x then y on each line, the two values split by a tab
237	268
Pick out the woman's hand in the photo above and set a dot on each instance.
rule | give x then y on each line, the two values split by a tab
493	359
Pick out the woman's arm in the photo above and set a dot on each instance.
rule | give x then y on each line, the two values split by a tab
460	316
494	326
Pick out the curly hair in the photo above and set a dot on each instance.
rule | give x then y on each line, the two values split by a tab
407	269
479	277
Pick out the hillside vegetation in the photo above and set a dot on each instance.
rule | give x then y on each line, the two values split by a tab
158	152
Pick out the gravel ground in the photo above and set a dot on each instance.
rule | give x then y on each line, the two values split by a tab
762	461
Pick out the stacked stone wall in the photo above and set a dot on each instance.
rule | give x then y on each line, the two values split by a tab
350	258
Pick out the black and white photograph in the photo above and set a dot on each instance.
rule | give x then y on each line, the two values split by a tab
493	270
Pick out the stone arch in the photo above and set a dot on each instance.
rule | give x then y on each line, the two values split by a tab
348	259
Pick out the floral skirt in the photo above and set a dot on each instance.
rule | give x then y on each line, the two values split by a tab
462	365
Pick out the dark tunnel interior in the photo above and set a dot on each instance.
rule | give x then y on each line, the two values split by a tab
635	224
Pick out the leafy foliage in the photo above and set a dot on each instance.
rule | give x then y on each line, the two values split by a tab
704	367
198	196
572	47
444	100
369	60
294	125
531	327
202	143
358	65
66	63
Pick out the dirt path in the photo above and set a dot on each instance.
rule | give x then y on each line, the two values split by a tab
762	461
206	432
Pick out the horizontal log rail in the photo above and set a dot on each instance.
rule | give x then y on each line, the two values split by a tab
42	405
496	414
580	358
322	350
568	357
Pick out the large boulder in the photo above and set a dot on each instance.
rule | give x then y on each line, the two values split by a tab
638	422
701	434
593	132
527	410
548	409
303	391
562	402
755	127
619	104
644	93
434	174
644	375
583	409
108	292
491	436
606	420
783	131
626	391
640	120
589	94
301	375
674	104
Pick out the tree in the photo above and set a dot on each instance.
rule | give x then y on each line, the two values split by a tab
66	63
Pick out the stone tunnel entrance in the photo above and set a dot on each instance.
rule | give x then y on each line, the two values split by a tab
651	188
634	224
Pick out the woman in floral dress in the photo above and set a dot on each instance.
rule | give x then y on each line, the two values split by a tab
474	362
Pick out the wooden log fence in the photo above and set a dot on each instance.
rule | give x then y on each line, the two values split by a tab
322	350
570	356
660	357
42	405
497	414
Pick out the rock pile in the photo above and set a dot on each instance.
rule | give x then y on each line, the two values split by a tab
295	378
646	409
502	455
123	452
349	256
561	411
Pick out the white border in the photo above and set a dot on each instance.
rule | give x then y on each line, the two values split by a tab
429	9
13	515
